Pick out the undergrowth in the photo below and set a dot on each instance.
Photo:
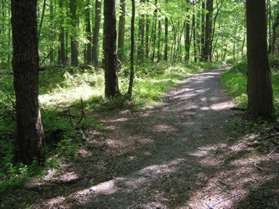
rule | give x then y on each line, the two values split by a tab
235	83
69	97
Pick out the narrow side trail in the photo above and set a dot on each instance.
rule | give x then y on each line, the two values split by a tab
181	154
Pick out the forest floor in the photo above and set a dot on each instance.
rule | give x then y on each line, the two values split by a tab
189	152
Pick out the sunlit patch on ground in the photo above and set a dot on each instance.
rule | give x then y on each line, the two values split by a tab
66	97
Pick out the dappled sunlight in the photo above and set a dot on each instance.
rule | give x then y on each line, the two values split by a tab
68	96
116	185
222	105
164	128
178	154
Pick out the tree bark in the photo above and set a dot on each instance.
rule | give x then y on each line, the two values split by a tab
260	96
74	34
96	33
132	64
88	47
141	37
62	59
121	30
207	51
29	128
166	37
110	61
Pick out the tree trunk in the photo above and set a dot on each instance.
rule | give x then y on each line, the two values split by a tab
154	30
96	33
74	34
132	65
52	30
166	37
208	31
88	47
187	41
260	98
121	30
203	47
141	36
159	41
110	56
29	129
62	51
147	39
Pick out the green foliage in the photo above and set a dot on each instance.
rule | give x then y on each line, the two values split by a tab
235	82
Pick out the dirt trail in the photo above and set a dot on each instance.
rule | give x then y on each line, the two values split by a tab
179	155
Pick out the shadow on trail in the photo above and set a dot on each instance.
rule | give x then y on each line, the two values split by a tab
180	154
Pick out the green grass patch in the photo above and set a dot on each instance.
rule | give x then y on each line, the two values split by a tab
235	83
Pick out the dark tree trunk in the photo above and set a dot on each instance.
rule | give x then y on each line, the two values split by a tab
62	59
52	35
166	37
29	129
154	31
194	37
132	65
260	98
96	32
110	56
88	47
141	37
208	31
147	39
203	47
74	34
159	41
187	41
121	30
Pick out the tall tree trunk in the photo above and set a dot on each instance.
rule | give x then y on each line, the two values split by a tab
187	41
132	65
96	32
208	31
52	35
147	39
260	98
62	59
154	30
121	30
166	37
110	61
159	41
29	128
88	47
194	36
74	34
141	36
203	44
